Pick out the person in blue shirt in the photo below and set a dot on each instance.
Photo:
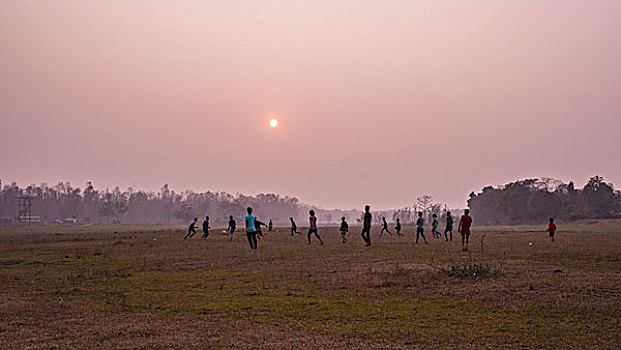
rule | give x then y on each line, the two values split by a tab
232	226
251	231
191	229
420	224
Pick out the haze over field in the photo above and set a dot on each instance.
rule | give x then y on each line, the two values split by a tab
377	102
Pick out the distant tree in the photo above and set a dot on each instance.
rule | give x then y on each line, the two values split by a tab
424	204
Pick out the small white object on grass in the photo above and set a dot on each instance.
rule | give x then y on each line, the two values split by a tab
530	243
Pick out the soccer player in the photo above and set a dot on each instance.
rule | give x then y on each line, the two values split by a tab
294	227
313	227
366	225
384	226
551	229
434	226
232	227
420	227
206	228
449	226
464	228
191	229
269	226
257	225
251	231
398	228
344	228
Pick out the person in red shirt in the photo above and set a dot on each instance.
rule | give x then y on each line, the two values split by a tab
464	228
551	229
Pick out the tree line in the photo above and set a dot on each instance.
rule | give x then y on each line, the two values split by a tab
61	201
520	202
535	200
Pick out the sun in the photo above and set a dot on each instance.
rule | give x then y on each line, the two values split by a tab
273	123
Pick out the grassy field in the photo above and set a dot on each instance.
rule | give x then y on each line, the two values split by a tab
136	287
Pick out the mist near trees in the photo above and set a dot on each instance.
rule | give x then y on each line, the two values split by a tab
521	202
90	205
535	200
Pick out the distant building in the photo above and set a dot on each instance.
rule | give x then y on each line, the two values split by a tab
29	219
6	220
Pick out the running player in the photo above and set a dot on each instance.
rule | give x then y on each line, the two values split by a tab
551	229
366	225
398	228
420	227
464	228
257	225
434	226
449	226
344	228
294	227
191	229
206	228
384	226
232	227
313	227
251	231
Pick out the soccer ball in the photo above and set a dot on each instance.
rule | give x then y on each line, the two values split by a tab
530	244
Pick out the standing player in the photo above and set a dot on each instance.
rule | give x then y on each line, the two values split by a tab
344	228
449	226
191	229
294	227
464	228
398	228
251	231
313	227
384	226
206	228
269	226
551	229
232	226
420	227
366	225
434	226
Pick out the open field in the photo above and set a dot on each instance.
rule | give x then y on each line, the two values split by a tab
133	287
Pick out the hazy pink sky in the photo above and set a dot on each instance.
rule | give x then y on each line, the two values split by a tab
379	101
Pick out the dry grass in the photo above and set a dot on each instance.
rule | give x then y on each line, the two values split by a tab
144	288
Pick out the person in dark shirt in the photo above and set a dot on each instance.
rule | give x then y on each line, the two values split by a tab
366	225
294	227
206	228
191	229
398	228
344	228
449	226
257	225
464	228
232	226
270	226
384	226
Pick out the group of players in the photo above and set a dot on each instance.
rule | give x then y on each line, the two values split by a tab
255	233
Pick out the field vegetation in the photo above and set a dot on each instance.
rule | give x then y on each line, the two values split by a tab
144	287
